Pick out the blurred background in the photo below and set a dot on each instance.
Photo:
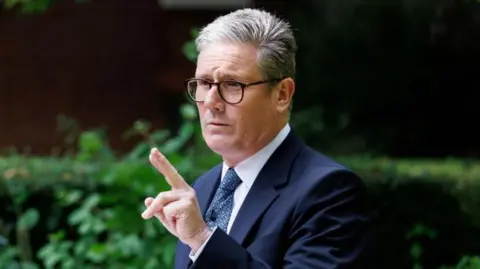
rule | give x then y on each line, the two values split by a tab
87	87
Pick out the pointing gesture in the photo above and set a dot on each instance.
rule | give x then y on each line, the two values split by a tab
173	178
178	208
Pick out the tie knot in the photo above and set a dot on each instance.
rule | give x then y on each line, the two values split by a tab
231	181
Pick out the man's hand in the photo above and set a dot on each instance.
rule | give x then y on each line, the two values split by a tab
178	208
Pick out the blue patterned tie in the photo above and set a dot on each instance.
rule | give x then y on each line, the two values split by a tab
221	207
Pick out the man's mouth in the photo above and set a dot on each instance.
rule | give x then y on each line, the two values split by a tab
217	123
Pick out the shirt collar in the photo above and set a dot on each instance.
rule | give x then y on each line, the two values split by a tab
249	168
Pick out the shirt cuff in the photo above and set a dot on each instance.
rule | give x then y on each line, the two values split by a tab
194	256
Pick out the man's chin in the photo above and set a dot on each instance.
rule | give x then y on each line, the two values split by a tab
219	143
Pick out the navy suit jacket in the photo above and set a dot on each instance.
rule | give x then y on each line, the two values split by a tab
303	211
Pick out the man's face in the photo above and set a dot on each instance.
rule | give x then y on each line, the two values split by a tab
233	130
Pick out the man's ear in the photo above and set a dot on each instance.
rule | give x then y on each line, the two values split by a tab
285	91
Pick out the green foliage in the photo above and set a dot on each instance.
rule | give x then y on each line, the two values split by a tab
438	197
467	262
416	249
90	202
189	49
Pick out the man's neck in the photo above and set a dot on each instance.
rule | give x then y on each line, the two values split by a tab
238	157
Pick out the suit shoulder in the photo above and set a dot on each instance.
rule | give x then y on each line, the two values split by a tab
313	166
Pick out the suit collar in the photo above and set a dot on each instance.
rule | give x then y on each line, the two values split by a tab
264	191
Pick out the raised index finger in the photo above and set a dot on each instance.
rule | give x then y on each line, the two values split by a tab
174	179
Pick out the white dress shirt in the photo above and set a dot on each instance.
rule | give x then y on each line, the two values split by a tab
248	171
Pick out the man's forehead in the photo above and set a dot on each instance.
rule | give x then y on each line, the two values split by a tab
226	60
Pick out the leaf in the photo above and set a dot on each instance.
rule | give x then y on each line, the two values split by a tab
160	136
77	216
20	197
421	230
85	227
82	246
98	225
73	197
130	245
195	32
29	219
109	178
97	253
142	126
188	112
56	237
65	246
52	259
172	145
140	151
44	251
152	264
70	264
190	51
416	250
186	131
90	141
91	201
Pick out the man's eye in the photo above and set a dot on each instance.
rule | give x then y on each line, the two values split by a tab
231	84
202	83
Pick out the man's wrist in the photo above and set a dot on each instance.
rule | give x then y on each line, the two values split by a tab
200	239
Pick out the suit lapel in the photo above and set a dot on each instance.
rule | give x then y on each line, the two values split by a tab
251	210
264	189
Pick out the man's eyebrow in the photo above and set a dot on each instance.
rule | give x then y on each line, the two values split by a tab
223	76
202	76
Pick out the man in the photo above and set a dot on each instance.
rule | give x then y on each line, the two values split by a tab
273	202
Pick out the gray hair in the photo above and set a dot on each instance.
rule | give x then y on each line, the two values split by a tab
272	36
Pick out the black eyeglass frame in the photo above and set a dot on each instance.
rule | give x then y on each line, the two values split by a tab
241	84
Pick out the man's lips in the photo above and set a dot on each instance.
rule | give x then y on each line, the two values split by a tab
217	123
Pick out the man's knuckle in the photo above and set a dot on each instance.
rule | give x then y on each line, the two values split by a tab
188	203
160	196
190	196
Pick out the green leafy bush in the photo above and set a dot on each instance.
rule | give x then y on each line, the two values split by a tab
83	211
426	210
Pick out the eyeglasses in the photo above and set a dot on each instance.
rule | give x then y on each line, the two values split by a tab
230	91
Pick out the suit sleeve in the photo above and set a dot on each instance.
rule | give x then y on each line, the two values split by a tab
327	230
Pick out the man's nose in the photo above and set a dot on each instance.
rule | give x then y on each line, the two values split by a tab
213	100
